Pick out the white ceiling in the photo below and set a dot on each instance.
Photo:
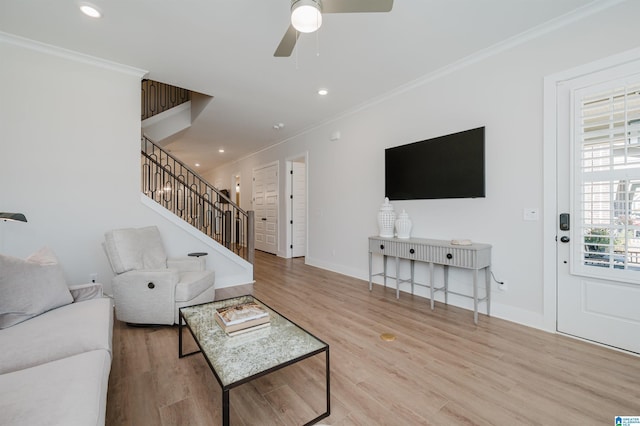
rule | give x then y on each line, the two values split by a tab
224	48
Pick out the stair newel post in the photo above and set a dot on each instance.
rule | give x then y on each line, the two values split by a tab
251	219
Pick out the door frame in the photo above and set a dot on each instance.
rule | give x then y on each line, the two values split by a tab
550	176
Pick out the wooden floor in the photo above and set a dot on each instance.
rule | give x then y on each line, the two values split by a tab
440	370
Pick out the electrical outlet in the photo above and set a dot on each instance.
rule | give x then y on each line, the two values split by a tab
93	277
503	285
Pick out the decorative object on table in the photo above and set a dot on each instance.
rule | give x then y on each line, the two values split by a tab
403	225
241	318
386	219
14	217
461	242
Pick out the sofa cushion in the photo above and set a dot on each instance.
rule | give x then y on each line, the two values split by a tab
30	287
62	332
71	392
192	284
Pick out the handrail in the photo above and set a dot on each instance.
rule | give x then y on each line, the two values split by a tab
172	184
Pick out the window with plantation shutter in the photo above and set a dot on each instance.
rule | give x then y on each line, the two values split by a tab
606	187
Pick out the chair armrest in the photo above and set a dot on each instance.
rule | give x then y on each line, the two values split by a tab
186	263
81	292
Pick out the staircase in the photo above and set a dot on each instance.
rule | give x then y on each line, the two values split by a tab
173	185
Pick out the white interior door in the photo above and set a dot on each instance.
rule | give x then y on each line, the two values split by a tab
265	204
298	209
598	248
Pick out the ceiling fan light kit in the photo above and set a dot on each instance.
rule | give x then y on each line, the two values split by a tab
90	10
306	15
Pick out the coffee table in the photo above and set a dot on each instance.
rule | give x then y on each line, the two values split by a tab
239	359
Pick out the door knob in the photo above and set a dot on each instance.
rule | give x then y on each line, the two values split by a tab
565	239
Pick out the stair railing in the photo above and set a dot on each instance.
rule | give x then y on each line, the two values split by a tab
172	184
159	97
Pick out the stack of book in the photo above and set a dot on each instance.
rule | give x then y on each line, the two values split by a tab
242	318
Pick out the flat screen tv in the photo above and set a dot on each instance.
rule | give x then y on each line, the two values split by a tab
450	166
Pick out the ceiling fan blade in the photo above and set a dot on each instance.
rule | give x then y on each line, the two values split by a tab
288	43
356	6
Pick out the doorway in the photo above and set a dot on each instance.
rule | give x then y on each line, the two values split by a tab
597	214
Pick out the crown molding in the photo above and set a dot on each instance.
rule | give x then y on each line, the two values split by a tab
592	8
37	46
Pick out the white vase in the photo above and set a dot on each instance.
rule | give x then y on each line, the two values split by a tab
386	219
403	225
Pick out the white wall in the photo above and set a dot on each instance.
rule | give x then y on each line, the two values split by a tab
70	160
500	89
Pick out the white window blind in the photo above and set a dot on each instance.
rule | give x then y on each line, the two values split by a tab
607	178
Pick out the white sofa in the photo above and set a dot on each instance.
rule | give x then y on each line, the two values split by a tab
54	365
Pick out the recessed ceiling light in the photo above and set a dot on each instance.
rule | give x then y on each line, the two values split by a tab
323	92
197	164
90	10
221	150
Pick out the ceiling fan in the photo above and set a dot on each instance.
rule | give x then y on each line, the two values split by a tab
306	17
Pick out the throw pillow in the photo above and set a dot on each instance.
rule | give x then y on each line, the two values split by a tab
30	287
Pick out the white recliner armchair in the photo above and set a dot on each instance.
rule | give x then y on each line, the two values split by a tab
149	288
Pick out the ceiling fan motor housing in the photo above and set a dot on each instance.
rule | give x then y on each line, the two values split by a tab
306	15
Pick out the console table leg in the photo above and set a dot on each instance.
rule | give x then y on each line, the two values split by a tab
412	273
475	296
446	284
397	278
370	269
431	284
384	268
487	280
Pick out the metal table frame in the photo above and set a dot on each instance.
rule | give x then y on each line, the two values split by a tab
225	389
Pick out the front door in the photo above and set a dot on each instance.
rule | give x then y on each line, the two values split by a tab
598	187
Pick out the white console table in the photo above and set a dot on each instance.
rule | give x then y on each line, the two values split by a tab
475	257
